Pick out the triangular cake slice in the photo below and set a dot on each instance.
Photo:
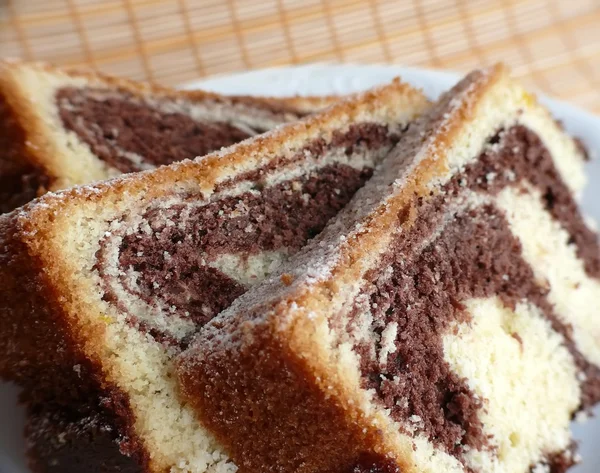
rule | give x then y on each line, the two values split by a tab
101	286
63	127
446	321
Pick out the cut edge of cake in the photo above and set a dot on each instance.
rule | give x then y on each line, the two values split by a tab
54	323
39	154
281	366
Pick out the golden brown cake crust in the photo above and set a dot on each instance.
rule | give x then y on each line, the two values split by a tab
29	157
285	397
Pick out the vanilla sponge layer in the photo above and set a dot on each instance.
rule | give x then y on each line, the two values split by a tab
555	264
521	368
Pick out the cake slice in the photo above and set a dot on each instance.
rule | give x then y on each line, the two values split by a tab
447	320
101	286
62	127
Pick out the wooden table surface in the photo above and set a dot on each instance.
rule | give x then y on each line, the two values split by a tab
554	45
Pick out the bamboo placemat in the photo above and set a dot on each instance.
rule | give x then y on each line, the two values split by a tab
552	44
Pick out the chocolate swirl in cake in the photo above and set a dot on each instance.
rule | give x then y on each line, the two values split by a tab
131	134
180	262
453	253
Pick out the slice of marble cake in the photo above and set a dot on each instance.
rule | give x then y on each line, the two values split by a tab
102	285
447	320
62	127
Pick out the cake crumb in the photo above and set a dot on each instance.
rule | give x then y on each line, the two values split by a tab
287	279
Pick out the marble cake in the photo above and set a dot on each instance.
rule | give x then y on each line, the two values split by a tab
62	127
447	320
101	286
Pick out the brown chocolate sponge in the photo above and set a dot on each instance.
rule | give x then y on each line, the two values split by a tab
63	127
102	285
447	320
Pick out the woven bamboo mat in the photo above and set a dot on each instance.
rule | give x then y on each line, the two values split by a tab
552	44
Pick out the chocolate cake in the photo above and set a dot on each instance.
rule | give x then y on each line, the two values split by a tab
101	286
62	127
447	320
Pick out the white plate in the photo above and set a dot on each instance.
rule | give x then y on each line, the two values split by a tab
342	79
